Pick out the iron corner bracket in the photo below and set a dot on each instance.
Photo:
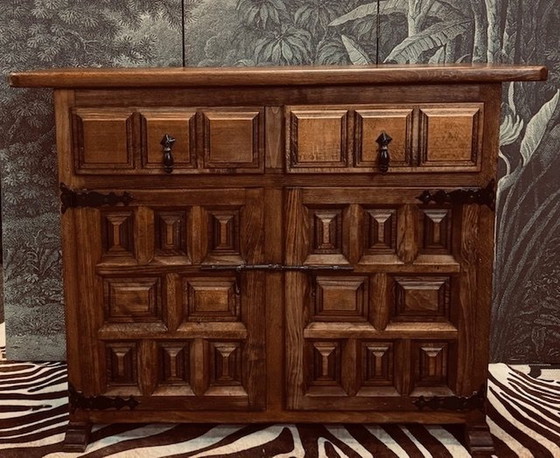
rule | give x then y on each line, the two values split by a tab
476	401
481	196
70	198
77	400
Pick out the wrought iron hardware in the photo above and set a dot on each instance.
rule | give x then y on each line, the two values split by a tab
481	196
167	142
458	403
384	159
239	268
77	400
84	198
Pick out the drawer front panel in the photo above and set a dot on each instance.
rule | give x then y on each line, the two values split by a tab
204	140
347	139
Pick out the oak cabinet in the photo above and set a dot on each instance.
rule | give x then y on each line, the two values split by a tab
256	245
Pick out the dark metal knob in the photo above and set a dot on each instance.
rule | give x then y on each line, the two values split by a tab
383	159
167	143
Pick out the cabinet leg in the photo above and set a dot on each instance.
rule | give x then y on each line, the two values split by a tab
478	439
77	436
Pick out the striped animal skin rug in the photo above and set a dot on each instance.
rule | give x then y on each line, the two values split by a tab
524	418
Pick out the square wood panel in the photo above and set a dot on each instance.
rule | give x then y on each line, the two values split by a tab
211	299
420	298
340	298
103	140
133	299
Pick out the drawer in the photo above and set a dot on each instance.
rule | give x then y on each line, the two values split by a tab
423	138
206	140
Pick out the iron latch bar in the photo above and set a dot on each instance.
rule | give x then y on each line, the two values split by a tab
481	196
70	198
239	268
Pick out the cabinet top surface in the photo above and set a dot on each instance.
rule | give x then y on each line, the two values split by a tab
275	76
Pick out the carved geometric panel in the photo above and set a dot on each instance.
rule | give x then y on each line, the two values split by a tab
436	227
103	140
225	364
211	299
174	363
178	124
232	139
325	361
377	364
421	298
223	232
136	299
117	232
122	363
450	136
341	298
431	363
318	138
171	232
371	123
380	230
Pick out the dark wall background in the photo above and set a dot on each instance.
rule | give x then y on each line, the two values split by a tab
56	33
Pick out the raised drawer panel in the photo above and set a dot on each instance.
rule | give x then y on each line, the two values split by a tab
233	139
318	138
103	140
370	123
451	137
180	125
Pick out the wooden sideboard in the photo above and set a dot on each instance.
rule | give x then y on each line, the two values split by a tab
310	244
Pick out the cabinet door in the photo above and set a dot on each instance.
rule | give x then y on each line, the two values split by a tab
153	322
408	320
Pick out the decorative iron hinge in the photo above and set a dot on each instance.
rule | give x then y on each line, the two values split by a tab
239	268
457	403
77	400
481	196
84	198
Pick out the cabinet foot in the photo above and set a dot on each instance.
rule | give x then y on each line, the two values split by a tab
77	436
478	439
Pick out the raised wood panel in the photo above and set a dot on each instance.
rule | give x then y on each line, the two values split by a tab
317	138
179	124
233	139
103	140
225	361
224	237
324	377
341	298
370	123
121	359
171	233
377	364
174	366
431	364
451	137
133	299
117	233
327	234
380	231
436	230
421	298
211	299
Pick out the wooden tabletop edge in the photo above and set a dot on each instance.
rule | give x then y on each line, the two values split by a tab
270	76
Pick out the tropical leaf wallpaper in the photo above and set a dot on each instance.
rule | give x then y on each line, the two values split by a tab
55	33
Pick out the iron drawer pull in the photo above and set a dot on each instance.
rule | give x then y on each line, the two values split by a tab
383	160
167	143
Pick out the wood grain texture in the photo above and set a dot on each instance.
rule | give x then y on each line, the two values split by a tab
270	76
